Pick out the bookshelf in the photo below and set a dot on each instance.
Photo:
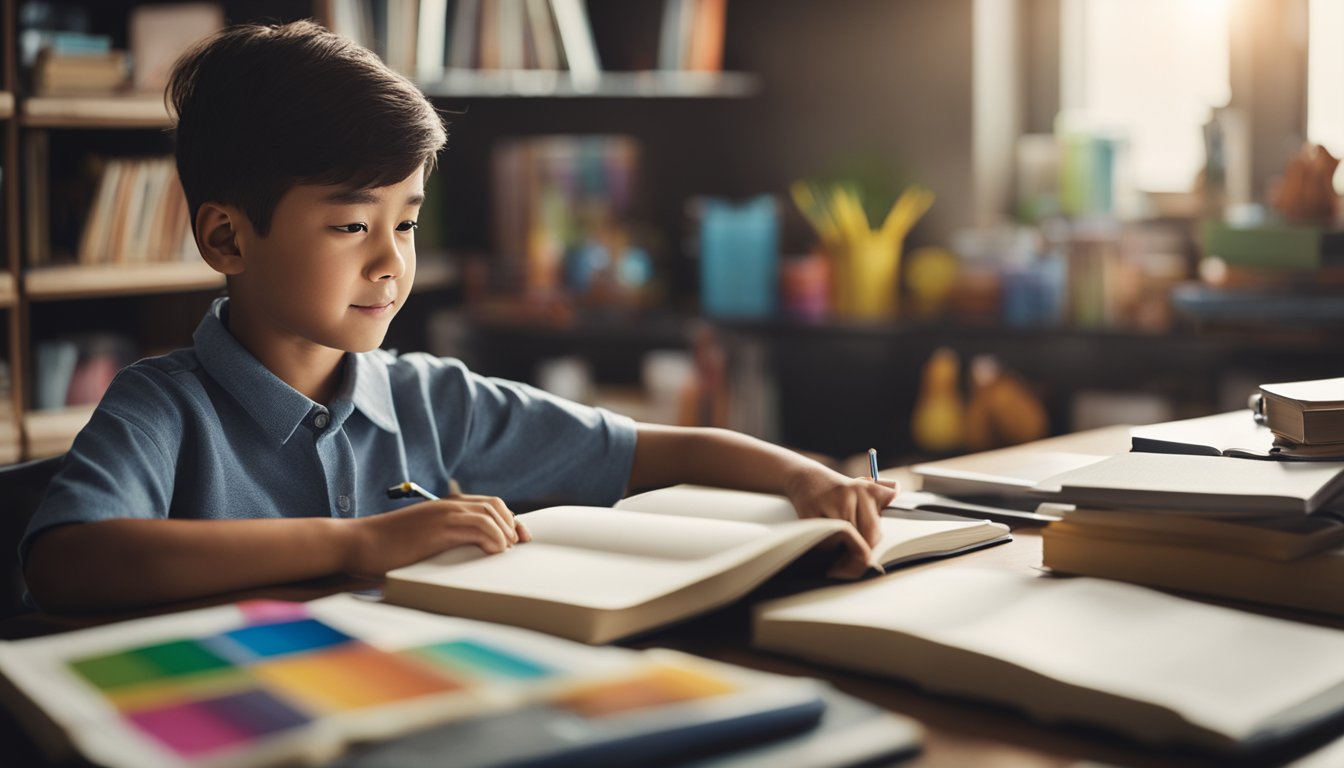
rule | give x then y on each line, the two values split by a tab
525	83
11	392
47	295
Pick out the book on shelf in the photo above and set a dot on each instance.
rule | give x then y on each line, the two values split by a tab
1215	486
1157	668
426	40
691	35
160	33
265	683
1249	567
1309	413
598	574
138	215
57	74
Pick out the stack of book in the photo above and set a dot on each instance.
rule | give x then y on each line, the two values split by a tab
1249	529
1306	417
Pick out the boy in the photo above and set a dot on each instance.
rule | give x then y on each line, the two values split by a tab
262	454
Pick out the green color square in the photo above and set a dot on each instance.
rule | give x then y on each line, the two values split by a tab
153	662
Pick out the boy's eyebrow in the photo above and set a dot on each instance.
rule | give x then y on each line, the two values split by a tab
365	197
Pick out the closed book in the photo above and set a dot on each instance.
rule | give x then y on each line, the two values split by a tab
1306	412
1157	668
1311	582
64	75
1217	486
1272	538
597	574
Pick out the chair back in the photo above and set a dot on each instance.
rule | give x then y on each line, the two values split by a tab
22	487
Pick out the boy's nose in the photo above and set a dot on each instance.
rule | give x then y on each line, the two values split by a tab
389	263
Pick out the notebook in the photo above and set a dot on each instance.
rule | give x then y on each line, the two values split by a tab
599	575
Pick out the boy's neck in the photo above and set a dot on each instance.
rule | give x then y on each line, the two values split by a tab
311	369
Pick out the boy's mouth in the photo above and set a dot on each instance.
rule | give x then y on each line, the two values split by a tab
374	309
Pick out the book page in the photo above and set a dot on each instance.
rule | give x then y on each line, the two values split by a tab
665	537
720	503
608	559
1222	669
1004	471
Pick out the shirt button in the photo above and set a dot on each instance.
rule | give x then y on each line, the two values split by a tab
321	420
344	503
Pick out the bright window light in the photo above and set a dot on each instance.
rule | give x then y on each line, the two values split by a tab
1151	70
1325	69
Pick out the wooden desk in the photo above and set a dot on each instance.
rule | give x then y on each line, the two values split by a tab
958	732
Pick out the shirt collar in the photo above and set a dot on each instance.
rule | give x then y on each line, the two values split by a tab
278	408
369	387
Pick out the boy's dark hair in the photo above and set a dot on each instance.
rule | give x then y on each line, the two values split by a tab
260	109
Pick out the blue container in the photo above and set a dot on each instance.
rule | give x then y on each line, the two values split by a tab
739	257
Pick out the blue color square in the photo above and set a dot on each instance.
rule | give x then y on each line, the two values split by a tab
266	640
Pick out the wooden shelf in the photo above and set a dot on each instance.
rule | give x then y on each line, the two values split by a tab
532	83
6	105
112	111
8	293
79	282
10	448
51	432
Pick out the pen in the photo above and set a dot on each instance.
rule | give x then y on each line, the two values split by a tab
403	490
875	569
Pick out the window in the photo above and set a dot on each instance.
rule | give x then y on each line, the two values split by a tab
1325	66
1150	70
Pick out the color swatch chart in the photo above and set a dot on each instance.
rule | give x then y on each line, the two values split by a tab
202	696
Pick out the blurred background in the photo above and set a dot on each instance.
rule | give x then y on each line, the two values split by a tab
924	226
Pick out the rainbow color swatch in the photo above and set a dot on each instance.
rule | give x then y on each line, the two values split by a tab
201	696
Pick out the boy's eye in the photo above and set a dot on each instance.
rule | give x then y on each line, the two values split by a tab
352	229
407	226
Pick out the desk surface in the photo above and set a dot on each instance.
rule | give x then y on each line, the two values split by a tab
958	732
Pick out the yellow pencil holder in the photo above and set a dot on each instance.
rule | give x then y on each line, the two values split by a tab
865	278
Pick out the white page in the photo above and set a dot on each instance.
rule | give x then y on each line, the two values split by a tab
1006	470
635	533
1219	667
700	501
1236	429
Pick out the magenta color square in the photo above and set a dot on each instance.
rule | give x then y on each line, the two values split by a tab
195	728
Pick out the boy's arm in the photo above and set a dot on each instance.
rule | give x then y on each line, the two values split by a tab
726	459
115	564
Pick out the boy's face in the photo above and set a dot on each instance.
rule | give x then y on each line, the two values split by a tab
335	268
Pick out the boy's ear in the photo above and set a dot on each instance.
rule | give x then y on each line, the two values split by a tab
217	237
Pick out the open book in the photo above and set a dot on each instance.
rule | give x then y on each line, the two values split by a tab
1158	668
266	683
598	575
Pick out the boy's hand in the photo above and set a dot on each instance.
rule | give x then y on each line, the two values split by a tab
409	535
820	492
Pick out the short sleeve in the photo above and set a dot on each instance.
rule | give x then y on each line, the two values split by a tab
527	446
119	465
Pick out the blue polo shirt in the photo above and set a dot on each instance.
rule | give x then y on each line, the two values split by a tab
209	433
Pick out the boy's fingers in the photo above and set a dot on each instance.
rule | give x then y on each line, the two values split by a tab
523	533
855	559
866	519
